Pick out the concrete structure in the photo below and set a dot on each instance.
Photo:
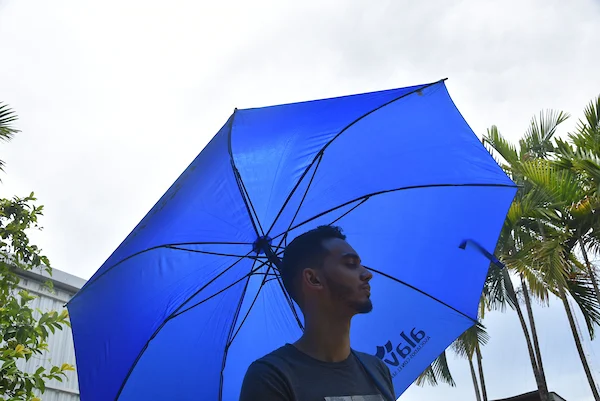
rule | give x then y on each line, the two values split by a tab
60	344
532	396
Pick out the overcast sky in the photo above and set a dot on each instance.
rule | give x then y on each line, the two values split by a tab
116	98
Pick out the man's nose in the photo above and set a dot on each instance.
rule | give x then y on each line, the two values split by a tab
366	275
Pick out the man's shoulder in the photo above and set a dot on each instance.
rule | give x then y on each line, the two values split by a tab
273	360
372	361
368	358
266	378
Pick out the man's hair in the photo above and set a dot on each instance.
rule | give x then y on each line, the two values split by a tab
304	251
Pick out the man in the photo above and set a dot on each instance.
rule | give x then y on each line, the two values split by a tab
325	277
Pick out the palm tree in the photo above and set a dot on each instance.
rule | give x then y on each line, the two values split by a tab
7	117
528	205
468	346
501	293
481	376
542	228
540	233
583	158
554	256
437	372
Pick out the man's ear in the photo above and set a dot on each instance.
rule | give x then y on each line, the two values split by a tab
311	278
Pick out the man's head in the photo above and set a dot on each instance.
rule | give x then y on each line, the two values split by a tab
321	270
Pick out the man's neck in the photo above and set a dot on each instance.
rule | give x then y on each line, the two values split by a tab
326	339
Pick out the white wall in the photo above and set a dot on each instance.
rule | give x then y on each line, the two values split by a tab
60	344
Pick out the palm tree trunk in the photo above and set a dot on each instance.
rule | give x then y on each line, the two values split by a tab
584	362
590	269
536	372
474	377
534	365
535	341
481	379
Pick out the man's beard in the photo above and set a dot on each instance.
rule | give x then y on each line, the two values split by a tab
362	307
344	294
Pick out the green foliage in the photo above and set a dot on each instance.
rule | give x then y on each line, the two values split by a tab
437	372
24	332
554	211
466	345
7	117
555	207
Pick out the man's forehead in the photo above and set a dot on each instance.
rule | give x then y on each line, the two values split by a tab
339	247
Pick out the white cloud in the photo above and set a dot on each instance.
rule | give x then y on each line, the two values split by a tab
116	98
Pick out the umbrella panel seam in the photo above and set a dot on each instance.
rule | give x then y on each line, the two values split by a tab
304	196
240	183
232	328
157	331
253	272
322	150
421	292
367	196
153	248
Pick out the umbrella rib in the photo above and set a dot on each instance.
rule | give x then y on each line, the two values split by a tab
214	253
230	337
89	283
208	243
290	302
320	153
284	240
176	311
248	201
364	197
252	273
422	292
145	347
303	198
350	210
234	321
240	183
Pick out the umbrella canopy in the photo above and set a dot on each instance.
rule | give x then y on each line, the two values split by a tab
191	297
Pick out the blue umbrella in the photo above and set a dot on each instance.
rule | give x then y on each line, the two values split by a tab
193	295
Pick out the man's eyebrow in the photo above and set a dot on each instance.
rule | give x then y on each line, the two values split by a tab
350	255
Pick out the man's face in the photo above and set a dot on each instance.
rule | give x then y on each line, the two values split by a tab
346	279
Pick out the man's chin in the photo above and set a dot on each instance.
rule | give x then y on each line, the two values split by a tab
364	307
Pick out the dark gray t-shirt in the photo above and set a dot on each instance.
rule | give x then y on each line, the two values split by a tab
288	374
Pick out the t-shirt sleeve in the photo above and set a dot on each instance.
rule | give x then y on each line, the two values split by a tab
263	382
388	377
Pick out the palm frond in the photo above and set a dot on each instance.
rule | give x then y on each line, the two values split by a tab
497	293
563	187
532	205
581	290
587	132
501	145
437	372
564	153
465	345
538	137
7	117
553	256
589	168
